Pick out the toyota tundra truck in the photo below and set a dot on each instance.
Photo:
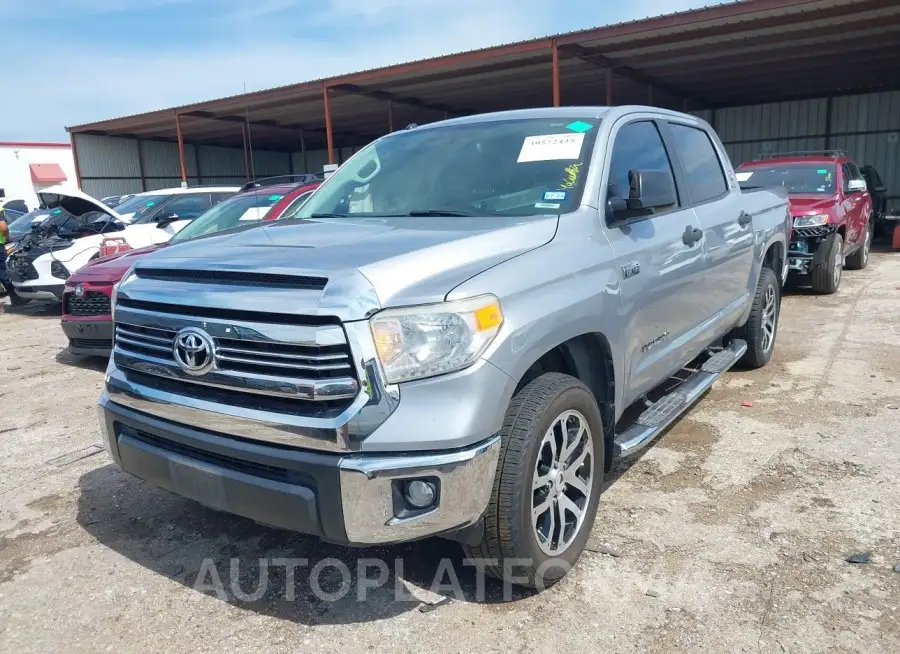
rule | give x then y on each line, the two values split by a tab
456	334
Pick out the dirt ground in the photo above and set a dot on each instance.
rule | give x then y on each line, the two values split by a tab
730	534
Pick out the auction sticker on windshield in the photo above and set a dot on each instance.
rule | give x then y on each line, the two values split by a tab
551	147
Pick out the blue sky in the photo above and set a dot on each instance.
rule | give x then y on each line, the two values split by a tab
75	61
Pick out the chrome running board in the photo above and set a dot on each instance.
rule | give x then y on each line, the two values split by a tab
654	420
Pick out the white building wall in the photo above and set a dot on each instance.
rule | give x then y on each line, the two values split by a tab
15	175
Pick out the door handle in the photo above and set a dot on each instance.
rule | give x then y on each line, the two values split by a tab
691	235
744	219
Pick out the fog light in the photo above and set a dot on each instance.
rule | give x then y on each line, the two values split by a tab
420	494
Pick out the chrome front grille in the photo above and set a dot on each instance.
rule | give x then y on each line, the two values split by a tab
296	364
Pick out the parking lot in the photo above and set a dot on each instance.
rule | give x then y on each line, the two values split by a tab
729	534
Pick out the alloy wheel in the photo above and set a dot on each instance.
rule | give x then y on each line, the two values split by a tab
562	481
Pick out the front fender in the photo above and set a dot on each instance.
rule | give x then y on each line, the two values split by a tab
549	296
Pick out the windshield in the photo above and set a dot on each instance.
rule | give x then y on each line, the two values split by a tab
139	204
240	210
22	224
809	178
522	167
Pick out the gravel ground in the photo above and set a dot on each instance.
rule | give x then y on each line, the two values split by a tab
729	534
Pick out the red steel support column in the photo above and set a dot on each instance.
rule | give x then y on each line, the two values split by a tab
75	157
650	94
609	87
329	136
555	50
181	149
390	115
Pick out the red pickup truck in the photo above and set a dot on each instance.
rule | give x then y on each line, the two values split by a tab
86	318
831	209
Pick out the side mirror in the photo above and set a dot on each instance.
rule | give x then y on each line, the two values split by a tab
856	186
647	190
165	220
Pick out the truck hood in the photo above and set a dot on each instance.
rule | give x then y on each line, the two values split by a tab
802	204
404	261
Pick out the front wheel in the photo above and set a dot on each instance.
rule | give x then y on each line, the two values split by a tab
547	485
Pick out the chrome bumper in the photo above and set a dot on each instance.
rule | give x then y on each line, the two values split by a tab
465	479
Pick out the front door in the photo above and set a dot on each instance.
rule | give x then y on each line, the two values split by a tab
661	274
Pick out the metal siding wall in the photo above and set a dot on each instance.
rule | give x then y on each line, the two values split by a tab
161	160
866	127
866	113
317	160
772	121
106	156
267	163
221	165
101	188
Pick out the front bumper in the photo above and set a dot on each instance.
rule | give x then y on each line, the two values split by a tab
89	337
345	498
52	292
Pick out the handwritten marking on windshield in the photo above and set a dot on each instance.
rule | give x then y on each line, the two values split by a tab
570	173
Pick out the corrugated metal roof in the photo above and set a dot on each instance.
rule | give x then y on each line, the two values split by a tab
724	55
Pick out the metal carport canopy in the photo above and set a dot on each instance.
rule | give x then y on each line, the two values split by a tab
739	53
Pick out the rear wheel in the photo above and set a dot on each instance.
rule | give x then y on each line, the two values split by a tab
547	484
762	326
859	259
828	265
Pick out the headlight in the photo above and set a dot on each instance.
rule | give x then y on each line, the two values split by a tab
811	221
434	339
59	271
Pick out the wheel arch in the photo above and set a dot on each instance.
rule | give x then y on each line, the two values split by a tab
588	358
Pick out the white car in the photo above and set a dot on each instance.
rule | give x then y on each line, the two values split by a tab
39	267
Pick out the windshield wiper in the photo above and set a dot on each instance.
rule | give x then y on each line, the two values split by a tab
328	215
437	212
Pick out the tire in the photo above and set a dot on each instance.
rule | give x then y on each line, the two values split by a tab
860	259
827	265
761	327
510	537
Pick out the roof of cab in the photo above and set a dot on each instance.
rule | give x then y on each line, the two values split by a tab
177	190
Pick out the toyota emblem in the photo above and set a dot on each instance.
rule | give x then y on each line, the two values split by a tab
194	351
79	291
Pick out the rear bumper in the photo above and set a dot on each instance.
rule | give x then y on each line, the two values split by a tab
89	337
351	499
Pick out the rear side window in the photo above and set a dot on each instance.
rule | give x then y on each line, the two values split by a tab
638	146
705	176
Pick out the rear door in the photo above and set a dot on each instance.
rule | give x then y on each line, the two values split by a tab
728	236
861	206
661	275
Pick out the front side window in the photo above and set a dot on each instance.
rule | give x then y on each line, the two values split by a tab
705	176
638	146
244	209
519	167
798	178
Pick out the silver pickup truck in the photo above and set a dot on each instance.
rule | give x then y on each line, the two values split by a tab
455	336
